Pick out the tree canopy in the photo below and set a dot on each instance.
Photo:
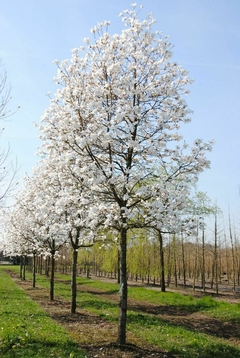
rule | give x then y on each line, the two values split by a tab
113	153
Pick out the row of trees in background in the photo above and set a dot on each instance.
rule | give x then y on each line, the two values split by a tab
114	163
189	262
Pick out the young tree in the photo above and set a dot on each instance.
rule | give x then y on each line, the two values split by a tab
20	236
202	208
117	113
35	221
72	213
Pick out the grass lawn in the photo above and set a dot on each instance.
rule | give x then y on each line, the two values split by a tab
186	326
26	330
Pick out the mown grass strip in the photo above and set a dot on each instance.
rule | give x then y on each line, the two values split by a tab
26	330
224	311
178	339
175	338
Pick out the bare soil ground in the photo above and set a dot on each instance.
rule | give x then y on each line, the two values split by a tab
97	336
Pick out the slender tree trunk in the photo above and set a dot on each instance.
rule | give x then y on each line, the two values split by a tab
203	262
175	273
183	262
226	258
175	262
213	271
51	295
169	265
233	256
74	279
195	264
47	266
34	271
216	254
41	265
21	267
236	242
162	272
24	267
118	267
122	323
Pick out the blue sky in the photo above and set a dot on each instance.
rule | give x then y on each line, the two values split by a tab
205	35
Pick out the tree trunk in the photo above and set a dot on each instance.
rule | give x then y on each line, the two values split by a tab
21	267
203	262
195	264
34	270
51	295
162	272
233	256
74	280
47	266
118	267
24	267
216	254
175	262
183	263
41	265
123	288
169	264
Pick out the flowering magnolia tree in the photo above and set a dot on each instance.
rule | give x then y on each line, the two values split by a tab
76	212
21	236
34	220
116	116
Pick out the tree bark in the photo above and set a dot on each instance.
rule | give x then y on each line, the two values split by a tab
51	295
34	270
216	254
74	280
47	266
24	267
162	271
122	323
175	261
183	262
118	267
203	262
233	256
21	267
41	265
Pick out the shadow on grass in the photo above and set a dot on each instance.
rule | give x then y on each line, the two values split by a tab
97	304
15	346
108	292
211	328
213	350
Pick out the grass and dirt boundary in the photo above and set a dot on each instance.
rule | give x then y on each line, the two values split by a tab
159	324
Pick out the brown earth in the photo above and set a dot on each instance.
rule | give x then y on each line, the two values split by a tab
97	336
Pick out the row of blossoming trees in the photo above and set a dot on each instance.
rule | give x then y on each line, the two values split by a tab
113	159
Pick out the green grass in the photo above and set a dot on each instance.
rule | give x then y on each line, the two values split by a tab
222	310
26	330
178	339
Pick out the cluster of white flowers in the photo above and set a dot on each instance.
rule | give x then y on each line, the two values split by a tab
113	156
